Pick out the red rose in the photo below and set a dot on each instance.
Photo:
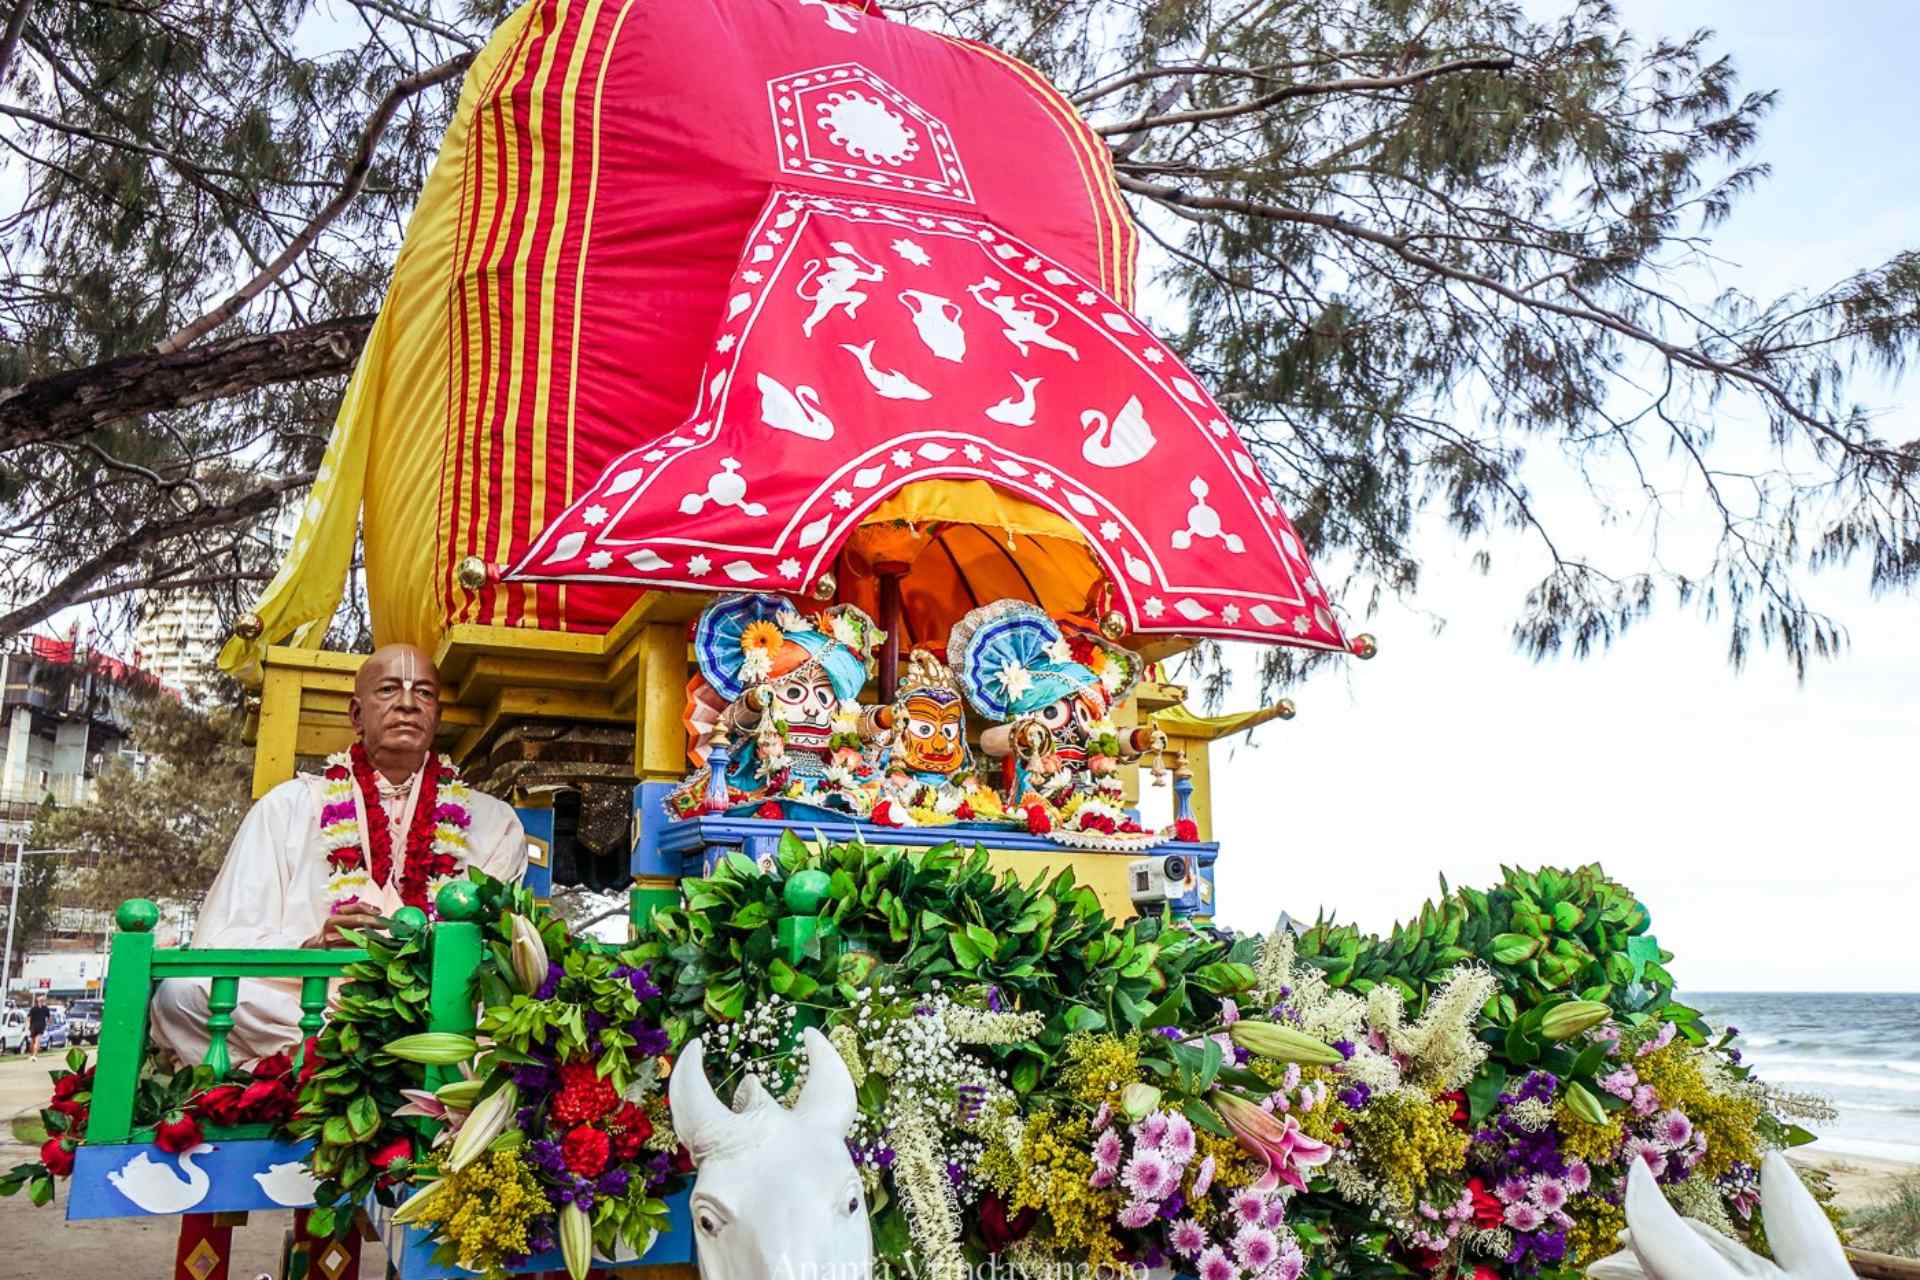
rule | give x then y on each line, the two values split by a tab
310	1060
267	1101
1487	1211
1186	829
178	1132
964	813
222	1105
1459	1101
75	1112
682	1160
768	809
629	1128
57	1156
386	1157
71	1083
272	1067
1038	823
586	1150
997	1229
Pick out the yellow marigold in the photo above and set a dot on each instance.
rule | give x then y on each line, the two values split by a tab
1729	1120
1099	1067
485	1210
1404	1142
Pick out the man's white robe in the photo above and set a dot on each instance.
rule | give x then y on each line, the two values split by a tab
272	892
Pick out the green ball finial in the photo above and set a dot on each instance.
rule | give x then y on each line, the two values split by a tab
806	890
137	915
459	900
408	921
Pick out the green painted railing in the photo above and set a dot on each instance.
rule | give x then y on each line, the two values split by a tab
135	965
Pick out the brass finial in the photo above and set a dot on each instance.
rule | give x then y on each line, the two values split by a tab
825	586
1364	647
249	627
1113	624
472	573
1284	708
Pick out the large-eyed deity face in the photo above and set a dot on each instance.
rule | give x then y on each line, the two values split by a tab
1070	719
933	735
805	702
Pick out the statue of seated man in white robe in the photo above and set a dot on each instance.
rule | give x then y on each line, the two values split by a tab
304	864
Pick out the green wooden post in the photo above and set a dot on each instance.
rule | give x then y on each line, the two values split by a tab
123	1023
313	1015
222	998
456	950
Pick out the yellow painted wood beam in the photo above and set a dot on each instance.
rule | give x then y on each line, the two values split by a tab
659	738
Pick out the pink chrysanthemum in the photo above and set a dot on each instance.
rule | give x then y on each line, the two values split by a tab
1579	1177
1250	1207
1292	1262
1152	1131
1102	1118
1674	1129
1645	1101
1640	1149
1179	1142
1203	1177
1136	1214
1511	1189
1524	1217
1215	1265
1621	1083
1276	1212
1106	1150
1148	1175
1255	1248
1188	1237
1100	1179
1549	1193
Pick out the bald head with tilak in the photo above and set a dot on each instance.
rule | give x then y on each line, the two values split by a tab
395	708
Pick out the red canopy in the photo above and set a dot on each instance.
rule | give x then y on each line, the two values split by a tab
867	344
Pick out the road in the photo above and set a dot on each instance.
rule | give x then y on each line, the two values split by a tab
42	1243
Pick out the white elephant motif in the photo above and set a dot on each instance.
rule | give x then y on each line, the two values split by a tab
775	1193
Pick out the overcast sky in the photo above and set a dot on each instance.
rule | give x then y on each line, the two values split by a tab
1771	827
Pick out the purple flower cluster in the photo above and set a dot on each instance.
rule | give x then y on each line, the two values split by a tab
1530	1176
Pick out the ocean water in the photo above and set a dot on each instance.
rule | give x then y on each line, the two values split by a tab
1862	1052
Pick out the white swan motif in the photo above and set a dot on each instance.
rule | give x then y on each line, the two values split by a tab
1123	442
890	383
288	1184
1661	1245
156	1188
797	410
1016	411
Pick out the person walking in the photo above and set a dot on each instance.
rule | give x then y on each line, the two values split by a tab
36	1025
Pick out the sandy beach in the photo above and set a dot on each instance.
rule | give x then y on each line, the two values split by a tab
1858	1181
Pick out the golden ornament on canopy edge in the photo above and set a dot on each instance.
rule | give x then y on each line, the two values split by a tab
825	586
1113	624
1364	647
471	573
1285	709
249	627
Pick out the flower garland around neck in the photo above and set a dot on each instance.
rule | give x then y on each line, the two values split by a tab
436	840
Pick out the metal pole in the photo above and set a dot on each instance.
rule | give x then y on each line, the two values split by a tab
20	852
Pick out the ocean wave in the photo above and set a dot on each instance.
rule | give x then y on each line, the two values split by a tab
1908	1152
1882	1108
1837	1078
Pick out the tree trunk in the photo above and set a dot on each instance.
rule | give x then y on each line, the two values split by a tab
62	406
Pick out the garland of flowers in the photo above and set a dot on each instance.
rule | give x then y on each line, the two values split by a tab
436	842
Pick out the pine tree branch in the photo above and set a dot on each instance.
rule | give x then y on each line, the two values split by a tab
1317	88
10	40
79	580
349	191
66	405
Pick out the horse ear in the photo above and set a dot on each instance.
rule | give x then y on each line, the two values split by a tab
700	1119
828	1100
1802	1238
1667	1247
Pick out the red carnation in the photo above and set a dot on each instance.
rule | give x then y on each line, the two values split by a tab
584	1097
178	1132
57	1156
267	1101
71	1083
629	1128
1487	1211
1186	829
394	1152
1038	823
586	1150
222	1105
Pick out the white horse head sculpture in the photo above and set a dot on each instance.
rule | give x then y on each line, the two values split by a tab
776	1196
1661	1245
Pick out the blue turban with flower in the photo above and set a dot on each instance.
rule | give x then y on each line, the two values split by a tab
1011	660
745	640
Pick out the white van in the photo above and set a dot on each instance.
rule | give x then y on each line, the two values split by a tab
13	1030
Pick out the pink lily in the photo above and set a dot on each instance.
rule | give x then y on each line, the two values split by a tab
1285	1148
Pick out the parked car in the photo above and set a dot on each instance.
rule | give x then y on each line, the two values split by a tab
83	1022
13	1030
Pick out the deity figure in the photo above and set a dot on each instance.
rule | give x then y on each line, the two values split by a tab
927	764
1050	704
778	688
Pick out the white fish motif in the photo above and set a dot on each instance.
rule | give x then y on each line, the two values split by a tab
890	383
156	1188
1124	441
797	410
1016	410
